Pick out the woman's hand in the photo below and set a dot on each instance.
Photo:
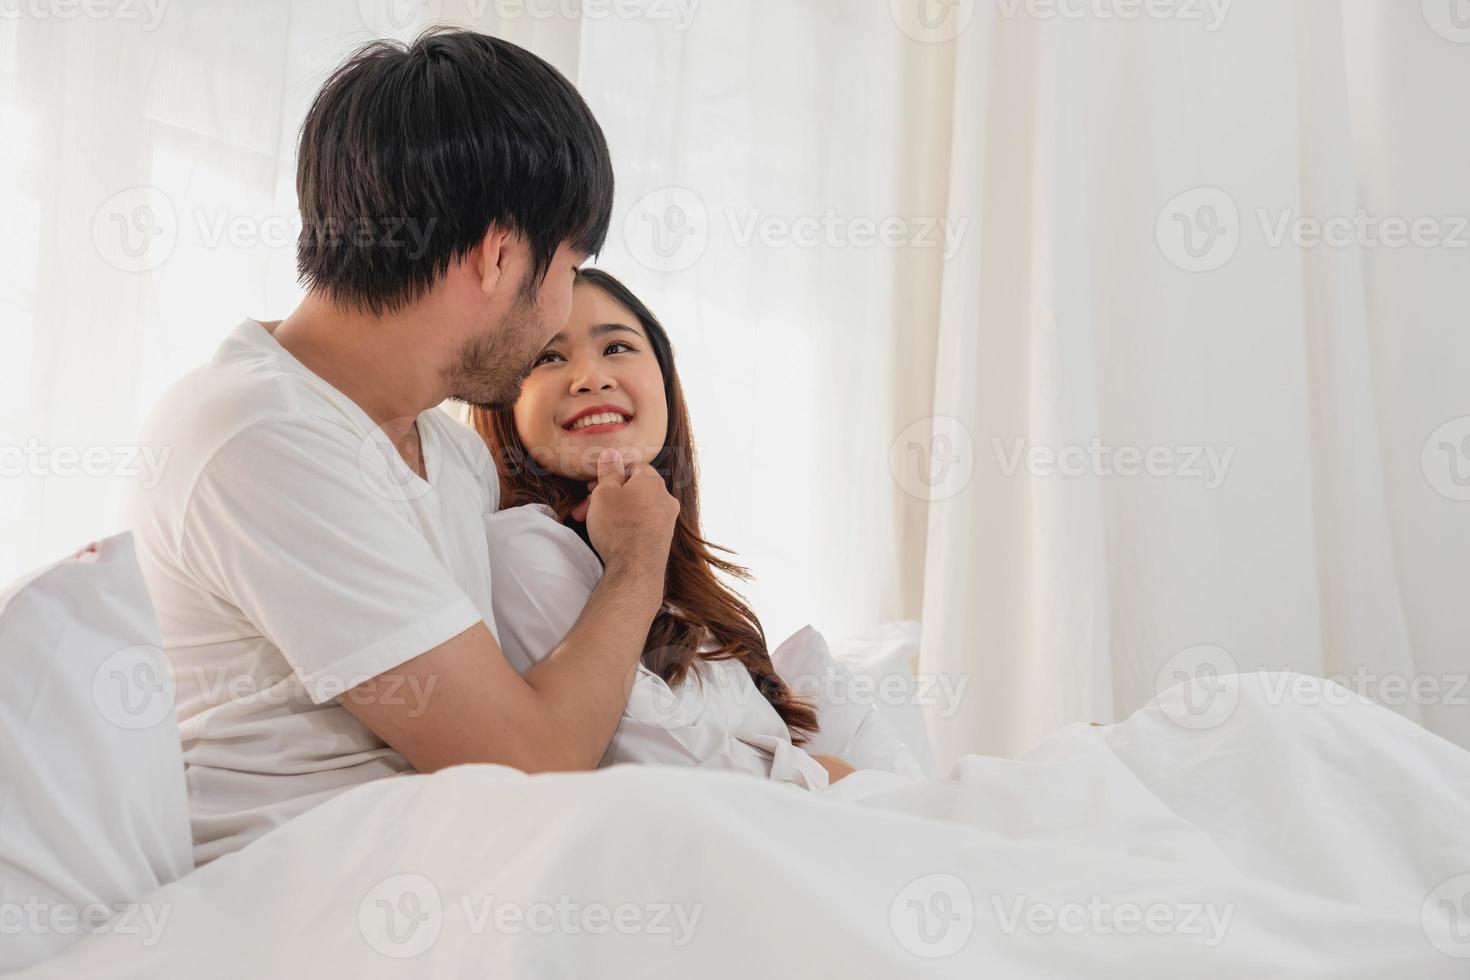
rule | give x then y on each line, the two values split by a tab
836	768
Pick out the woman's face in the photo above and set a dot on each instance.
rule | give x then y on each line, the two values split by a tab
595	386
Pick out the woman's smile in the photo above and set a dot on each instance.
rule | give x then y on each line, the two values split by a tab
598	419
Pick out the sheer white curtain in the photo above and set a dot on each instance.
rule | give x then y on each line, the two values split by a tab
905	251
1079	314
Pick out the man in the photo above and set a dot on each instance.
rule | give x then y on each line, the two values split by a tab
326	608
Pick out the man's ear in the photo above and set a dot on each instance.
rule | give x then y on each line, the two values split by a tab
493	259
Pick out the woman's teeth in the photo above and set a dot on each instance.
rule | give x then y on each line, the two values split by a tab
605	418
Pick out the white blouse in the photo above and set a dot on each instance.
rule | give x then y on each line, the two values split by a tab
542	575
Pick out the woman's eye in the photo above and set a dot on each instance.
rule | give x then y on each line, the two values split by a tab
618	343
545	358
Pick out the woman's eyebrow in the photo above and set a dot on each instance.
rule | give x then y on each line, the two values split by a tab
598	331
603	328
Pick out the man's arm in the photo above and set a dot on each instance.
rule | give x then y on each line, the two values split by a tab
471	704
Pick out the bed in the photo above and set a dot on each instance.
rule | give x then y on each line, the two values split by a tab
1307	833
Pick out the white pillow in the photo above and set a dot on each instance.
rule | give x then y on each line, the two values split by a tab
863	692
888	653
93	806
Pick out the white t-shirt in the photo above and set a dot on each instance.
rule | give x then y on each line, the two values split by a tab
717	718
291	554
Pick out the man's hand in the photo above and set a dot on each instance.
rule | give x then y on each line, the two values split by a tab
836	768
630	515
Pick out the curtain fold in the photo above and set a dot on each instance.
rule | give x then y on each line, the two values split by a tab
1081	316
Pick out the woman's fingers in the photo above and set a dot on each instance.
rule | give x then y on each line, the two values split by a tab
836	768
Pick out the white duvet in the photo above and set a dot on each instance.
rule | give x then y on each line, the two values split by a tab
1305	833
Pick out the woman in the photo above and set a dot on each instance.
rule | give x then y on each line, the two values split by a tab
707	692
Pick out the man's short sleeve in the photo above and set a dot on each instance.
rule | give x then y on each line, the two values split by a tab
283	525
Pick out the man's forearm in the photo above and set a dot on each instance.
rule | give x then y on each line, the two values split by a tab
585	681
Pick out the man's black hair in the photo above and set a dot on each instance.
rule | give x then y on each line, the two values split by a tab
409	154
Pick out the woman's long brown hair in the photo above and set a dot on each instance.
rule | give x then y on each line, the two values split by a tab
698	609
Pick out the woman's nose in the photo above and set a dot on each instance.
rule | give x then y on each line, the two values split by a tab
592	378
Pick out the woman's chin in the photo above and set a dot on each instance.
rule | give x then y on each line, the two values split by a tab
583	457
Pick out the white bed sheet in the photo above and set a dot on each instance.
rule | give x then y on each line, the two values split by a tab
1289	840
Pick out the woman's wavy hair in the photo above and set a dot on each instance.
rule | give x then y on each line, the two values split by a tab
699	612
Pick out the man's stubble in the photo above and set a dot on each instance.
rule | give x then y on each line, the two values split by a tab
490	367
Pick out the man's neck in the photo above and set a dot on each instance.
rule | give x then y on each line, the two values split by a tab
387	364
